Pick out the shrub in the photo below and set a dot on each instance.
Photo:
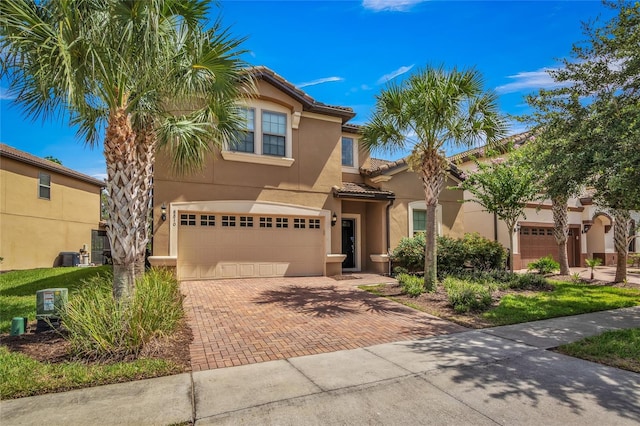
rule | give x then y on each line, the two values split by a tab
400	270
409	253
454	255
544	265
451	256
466	296
529	282
482	253
102	328
411	285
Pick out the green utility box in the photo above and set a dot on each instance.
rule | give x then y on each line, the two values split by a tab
49	302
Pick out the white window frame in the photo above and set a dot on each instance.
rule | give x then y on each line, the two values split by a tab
41	185
355	168
422	205
259	106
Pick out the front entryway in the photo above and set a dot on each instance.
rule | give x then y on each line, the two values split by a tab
349	243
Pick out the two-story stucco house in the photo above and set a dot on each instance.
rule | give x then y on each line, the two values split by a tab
590	226
45	209
298	196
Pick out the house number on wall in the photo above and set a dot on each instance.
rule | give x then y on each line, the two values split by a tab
174	218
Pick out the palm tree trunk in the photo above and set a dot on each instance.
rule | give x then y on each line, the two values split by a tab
127	202
620	236
432	176
561	230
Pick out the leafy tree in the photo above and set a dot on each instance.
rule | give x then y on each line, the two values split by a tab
595	113
53	159
503	188
429	110
140	74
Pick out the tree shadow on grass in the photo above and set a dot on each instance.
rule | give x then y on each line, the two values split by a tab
71	278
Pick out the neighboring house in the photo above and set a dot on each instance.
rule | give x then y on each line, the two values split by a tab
297	196
45	209
590	226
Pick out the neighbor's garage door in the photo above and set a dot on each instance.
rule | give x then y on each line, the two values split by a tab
214	245
536	242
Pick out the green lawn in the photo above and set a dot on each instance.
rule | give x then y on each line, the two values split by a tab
18	289
23	376
566	299
617	348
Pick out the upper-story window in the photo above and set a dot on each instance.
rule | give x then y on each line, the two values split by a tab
349	155
246	138
274	133
347	152
44	186
266	137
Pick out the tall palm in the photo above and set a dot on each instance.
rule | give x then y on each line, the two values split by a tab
432	109
141	74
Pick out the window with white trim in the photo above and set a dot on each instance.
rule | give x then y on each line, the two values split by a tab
419	221
298	223
314	223
347	152
44	186
274	133
245	139
267	135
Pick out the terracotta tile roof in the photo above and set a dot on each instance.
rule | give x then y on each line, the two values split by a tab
379	166
351	128
309	104
24	157
514	141
360	190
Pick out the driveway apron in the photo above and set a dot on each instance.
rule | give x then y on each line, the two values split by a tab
245	321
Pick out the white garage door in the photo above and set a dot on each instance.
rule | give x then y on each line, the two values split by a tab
215	245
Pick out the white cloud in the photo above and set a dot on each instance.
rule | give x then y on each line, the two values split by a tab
529	80
394	74
319	81
390	5
4	95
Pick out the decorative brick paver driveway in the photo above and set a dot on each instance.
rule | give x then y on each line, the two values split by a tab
244	321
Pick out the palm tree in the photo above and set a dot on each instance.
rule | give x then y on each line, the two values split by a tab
592	264
430	110
141	75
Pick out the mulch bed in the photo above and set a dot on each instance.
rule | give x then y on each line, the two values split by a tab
51	346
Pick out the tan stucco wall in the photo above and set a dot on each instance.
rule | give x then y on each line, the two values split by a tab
408	188
316	169
34	231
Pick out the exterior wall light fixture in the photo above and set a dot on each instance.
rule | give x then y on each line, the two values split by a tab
334	219
163	212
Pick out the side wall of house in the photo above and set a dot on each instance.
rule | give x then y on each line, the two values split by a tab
408	189
33	231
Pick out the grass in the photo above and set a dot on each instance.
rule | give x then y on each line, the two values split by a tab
617	348
18	289
565	299
23	376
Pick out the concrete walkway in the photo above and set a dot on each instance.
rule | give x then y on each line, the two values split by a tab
502	375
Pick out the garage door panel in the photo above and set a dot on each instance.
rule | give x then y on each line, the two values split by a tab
234	251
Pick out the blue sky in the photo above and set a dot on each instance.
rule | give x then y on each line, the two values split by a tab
343	52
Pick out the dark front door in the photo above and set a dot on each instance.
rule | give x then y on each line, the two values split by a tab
349	243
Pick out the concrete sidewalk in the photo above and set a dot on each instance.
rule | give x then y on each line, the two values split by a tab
501	375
